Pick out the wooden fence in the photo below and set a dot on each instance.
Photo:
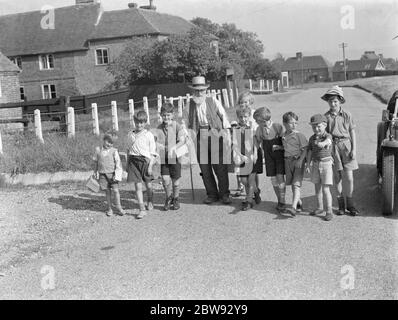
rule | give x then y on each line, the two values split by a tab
181	102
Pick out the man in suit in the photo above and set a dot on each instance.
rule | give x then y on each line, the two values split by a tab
208	119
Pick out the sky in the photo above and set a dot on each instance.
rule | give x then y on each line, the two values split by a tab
286	27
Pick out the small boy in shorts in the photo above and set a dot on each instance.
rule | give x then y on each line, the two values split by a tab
320	154
169	137
295	146
247	156
246	99
342	128
108	169
269	137
141	158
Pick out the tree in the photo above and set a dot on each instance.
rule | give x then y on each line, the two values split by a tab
277	64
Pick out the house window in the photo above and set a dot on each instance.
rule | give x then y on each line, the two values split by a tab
17	61
46	62
102	56
22	93
48	91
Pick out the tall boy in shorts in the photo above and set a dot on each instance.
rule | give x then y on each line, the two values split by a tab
340	124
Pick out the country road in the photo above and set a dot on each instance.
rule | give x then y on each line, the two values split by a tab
57	243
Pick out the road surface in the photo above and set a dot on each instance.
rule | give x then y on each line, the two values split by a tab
56	242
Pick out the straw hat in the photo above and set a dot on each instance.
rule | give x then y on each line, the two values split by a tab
199	83
334	91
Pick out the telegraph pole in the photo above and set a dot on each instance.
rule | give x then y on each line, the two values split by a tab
344	45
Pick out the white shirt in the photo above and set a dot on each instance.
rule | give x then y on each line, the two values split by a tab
142	144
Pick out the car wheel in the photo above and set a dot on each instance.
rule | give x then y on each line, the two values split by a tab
389	180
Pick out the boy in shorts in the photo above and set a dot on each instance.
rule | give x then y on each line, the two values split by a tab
247	156
269	137
320	154
295	146
169	137
340	124
108	169
141	158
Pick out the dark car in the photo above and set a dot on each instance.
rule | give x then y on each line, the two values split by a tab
387	151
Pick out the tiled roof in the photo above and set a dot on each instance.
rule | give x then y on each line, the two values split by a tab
135	22
22	34
309	62
356	65
7	65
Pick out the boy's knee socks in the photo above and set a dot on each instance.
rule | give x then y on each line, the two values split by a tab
168	188
282	193
150	195
176	191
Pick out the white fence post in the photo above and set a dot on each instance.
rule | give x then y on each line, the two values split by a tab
261	84
39	133
237	93
115	121
250	85
94	112
71	122
159	107
180	107
1	145
188	100
267	85
146	108
279	85
272	85
231	95
218	95
131	113
225	98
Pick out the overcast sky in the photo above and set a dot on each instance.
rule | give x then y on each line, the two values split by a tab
313	27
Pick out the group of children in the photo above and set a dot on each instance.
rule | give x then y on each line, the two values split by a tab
329	155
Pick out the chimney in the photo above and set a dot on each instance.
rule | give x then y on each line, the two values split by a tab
132	5
381	56
299	55
150	7
85	2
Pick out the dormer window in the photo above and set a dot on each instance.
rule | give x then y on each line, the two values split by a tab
17	61
101	56
46	62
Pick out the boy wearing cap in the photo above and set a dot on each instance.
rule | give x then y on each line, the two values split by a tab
341	126
320	154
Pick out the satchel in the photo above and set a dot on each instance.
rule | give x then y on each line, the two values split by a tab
92	184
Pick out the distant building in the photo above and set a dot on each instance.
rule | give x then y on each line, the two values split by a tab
71	57
306	69
9	81
363	68
9	88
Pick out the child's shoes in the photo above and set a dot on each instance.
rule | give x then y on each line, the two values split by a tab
291	211
246	205
109	213
316	212
176	204
149	206
168	203
120	211
141	214
281	207
328	216
257	197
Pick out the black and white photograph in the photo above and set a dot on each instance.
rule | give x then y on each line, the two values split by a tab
218	151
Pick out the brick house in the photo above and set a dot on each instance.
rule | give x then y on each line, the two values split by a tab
306	68
9	87
70	57
363	68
